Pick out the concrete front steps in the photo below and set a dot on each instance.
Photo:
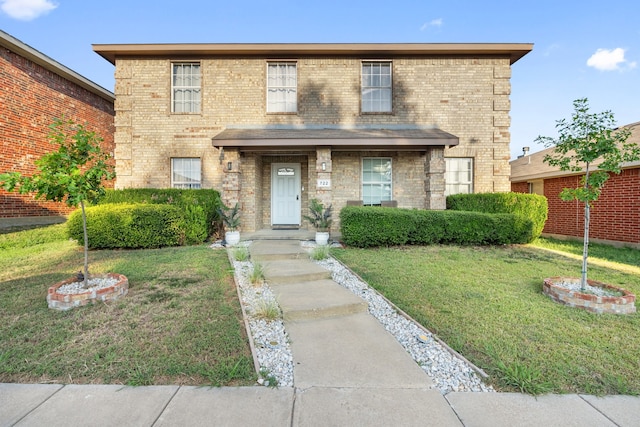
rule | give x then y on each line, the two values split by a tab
334	340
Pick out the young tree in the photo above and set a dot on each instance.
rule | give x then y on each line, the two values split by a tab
589	143
73	174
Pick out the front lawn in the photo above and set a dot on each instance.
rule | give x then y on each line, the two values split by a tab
487	303
181	322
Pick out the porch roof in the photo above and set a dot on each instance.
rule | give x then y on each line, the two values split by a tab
339	139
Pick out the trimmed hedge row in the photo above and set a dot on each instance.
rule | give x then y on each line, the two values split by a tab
377	226
129	226
530	206
199	207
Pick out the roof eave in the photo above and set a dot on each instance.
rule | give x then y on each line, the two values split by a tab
110	52
52	65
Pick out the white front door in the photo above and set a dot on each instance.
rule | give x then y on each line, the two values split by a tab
285	194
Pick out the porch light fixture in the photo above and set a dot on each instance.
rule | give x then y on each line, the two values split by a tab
229	166
221	154
324	166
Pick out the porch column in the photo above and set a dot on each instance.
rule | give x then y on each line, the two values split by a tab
323	183
231	177
434	168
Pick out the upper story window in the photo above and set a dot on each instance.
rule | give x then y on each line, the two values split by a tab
376	87
458	176
185	172
376	180
282	87
186	87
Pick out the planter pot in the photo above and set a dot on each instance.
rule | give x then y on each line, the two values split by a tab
232	238
322	238
566	290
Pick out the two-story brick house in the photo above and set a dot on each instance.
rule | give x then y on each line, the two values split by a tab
275	125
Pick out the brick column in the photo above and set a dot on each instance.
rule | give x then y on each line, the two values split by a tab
434	168
323	155
231	178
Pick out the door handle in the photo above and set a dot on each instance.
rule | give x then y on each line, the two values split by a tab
297	197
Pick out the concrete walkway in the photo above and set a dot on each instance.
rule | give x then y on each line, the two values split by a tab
348	372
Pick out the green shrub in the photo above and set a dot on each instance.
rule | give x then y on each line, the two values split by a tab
363	226
372	226
130	226
200	207
529	206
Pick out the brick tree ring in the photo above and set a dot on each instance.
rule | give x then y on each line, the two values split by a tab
69	293
598	297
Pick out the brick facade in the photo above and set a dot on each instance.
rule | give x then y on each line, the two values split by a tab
32	95
615	216
464	95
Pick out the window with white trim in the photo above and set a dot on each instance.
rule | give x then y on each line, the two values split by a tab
282	87
459	175
376	180
185	87
185	172
376	87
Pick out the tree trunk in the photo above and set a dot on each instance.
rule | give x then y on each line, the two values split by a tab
585	247
86	246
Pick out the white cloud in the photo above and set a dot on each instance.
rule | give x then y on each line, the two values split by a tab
433	23
26	10
610	60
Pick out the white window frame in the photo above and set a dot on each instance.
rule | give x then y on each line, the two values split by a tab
285	87
367	200
193	86
184	166
458	180
377	83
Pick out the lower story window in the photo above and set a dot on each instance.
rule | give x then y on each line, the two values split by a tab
376	180
185	173
459	175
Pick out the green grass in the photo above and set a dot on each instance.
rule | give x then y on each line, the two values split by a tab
181	322
487	303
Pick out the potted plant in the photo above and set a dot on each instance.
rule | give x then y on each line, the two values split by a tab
320	218
231	219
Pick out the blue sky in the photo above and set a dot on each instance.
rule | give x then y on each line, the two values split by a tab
581	49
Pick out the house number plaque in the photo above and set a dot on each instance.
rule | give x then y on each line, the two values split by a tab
324	183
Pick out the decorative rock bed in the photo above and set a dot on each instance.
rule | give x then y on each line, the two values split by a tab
69	293
600	299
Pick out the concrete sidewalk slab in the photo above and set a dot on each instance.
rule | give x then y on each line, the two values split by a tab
351	351
319	406
17	400
229	406
317	299
622	410
290	271
101	405
514	409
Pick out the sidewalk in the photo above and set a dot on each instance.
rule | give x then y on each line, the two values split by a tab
348	372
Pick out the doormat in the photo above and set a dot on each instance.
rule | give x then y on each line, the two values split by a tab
285	227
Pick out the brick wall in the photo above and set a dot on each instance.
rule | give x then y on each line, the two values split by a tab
615	216
31	98
520	187
468	97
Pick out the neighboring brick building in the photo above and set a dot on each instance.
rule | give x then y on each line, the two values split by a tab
615	216
34	90
274	125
